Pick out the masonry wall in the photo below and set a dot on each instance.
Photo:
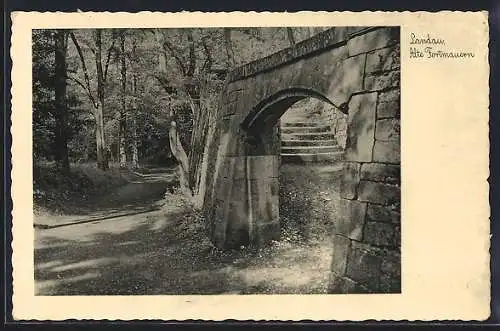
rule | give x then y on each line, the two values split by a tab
359	69
368	236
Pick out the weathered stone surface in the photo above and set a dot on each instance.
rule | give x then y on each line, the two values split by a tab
387	152
390	285
382	214
390	95
352	219
263	166
234	167
236	230
325	39
345	285
363	265
397	237
361	127
376	82
380	234
379	193
375	39
383	60
350	180
380	172
350	72
388	109
341	247
325	67
388	130
390	280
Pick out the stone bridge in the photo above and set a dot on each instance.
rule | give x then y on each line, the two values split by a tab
355	69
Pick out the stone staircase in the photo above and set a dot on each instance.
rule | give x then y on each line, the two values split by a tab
306	137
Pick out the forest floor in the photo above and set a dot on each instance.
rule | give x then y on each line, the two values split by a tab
90	248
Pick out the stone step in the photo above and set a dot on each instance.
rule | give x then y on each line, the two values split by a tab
310	149
311	157
305	129
307	136
302	124
307	143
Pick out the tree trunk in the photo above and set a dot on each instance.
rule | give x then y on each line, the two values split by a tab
61	111
102	159
123	111
102	155
181	156
291	38
229	47
135	155
134	162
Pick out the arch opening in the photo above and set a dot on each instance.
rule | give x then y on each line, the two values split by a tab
268	112
299	129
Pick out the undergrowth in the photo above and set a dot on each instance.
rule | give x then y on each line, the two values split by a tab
57	192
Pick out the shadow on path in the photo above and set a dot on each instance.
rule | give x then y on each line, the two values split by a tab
142	193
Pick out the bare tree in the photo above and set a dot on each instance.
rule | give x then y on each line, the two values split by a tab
97	102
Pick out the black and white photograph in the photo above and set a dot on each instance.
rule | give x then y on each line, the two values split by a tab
232	160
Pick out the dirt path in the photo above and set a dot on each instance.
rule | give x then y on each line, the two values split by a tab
167	252
143	192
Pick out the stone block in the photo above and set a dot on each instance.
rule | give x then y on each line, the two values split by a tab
390	95
381	172
390	279
379	234
376	82
340	285
263	166
387	152
237	231
379	38
363	266
383	59
264	205
345	285
390	285
388	130
361	127
341	247
352	219
389	109
350	73
350	180
378	193
391	265
382	214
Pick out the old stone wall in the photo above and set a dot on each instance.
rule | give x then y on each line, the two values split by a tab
357	71
368	235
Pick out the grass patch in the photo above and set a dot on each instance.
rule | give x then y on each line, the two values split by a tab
56	192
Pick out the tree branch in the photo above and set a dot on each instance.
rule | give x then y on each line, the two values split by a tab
109	56
84	66
89	94
167	46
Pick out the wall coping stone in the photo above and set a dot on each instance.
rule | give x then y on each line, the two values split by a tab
322	41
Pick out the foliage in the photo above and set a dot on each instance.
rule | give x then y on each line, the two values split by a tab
172	74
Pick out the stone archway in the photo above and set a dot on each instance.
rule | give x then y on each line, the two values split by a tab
356	69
